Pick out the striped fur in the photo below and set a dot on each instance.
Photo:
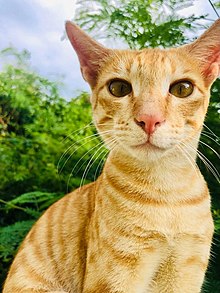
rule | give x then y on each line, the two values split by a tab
145	225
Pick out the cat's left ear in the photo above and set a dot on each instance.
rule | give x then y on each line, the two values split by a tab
91	54
206	49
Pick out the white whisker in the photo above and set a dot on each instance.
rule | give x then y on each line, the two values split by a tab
88	167
71	173
91	138
210	131
207	163
101	163
213	139
87	139
78	130
189	157
208	146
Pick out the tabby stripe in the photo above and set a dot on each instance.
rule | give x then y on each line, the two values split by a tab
34	242
100	287
50	238
122	257
103	120
30	269
120	205
131	195
136	196
195	260
131	235
59	242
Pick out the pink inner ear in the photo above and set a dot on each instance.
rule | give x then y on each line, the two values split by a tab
89	74
212	72
91	54
212	66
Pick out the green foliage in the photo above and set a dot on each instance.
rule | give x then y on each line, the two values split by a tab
10	238
37	200
36	155
138	23
216	4
34	121
32	204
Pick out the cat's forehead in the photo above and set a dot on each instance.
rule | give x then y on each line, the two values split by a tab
152	65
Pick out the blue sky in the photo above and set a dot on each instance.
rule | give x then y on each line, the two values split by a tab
38	26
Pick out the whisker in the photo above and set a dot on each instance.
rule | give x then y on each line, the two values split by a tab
101	163
207	163
208	146
101	143
210	130
189	157
90	137
78	130
113	146
71	173
88	167
213	139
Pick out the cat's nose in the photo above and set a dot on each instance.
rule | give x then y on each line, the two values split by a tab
149	122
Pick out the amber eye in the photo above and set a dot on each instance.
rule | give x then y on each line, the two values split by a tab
119	88
181	89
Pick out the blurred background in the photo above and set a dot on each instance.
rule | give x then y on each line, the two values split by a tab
48	144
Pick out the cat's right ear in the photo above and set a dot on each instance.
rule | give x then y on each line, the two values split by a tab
206	49
91	54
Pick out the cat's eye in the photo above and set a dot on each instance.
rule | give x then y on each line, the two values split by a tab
119	88
181	89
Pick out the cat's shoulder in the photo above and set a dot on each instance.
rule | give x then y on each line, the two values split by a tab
76	205
78	198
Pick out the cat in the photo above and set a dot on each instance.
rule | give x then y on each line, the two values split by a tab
144	226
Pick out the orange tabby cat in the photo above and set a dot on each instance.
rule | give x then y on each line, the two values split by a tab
145	224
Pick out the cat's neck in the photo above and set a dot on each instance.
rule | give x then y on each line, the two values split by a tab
168	175
170	165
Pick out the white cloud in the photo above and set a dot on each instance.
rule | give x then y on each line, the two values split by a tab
66	5
38	27
200	7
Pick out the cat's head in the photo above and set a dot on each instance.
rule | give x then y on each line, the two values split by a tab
153	101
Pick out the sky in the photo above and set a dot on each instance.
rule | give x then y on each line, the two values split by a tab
38	26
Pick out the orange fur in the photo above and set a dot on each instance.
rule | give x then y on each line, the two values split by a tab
145	225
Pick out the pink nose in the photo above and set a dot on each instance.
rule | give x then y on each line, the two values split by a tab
149	122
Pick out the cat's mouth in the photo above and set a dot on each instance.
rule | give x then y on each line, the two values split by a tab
148	146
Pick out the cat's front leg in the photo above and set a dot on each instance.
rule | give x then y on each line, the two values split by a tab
184	270
191	263
120	276
117	269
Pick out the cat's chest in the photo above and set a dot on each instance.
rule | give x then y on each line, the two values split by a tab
175	220
168	219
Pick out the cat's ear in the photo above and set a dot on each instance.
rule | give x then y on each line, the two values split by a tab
206	49
91	54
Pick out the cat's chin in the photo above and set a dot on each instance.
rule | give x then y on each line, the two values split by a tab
149	147
147	151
